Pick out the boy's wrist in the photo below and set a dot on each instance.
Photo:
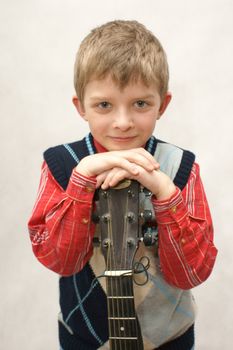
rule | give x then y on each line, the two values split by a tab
165	192
82	169
81	186
169	210
160	185
84	178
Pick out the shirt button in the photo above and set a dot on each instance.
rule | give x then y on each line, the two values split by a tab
89	189
183	241
173	209
84	221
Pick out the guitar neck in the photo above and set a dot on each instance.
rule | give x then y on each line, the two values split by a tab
119	224
124	328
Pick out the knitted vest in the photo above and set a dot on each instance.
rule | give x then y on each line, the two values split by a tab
164	312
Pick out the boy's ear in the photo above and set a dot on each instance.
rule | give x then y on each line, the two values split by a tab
165	103
78	105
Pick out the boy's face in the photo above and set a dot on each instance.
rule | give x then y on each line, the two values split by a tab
121	119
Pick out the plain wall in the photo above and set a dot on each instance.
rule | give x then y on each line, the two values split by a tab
39	39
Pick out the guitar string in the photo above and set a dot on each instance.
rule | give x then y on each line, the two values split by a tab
133	331
108	284
136	323
133	325
124	282
112	267
120	285
127	281
110	278
119	293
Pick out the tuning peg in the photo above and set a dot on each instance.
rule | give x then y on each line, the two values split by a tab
130	217
150	236
96	195
96	241
147	192
95	218
105	218
131	242
147	215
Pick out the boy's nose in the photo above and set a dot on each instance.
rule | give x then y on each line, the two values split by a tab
123	121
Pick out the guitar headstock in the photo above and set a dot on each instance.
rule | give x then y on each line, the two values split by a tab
119	224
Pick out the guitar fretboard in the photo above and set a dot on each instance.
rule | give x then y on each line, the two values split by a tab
124	328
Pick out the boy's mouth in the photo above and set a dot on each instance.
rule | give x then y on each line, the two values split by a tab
122	138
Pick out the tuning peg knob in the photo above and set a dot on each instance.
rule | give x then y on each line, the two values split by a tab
147	215
95	218
150	236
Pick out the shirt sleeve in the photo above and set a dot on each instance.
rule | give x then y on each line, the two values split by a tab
186	249
60	227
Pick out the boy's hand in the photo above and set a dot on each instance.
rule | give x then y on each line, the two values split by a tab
129	160
156	181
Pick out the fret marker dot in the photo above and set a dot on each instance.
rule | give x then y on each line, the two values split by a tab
122	329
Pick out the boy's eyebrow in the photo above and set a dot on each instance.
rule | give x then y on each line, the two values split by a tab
101	98
144	97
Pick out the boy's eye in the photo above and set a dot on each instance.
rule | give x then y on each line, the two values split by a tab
141	104
104	105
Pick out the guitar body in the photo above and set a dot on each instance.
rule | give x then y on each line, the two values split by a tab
120	233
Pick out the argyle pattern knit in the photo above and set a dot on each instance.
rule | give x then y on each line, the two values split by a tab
83	320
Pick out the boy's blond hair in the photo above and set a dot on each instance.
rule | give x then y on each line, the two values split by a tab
124	49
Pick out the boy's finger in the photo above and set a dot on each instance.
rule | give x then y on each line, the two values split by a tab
114	177
129	166
141	157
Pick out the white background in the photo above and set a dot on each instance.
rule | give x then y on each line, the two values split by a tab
38	42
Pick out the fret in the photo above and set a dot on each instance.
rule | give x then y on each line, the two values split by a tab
124	338
125	344
122	318
120	297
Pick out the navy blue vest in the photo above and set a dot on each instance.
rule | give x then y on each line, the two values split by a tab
83	324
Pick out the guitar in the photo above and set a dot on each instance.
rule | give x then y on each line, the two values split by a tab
120	226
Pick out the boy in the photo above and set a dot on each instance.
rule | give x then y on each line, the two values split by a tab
121	83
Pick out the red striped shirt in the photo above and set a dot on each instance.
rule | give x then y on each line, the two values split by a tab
61	229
